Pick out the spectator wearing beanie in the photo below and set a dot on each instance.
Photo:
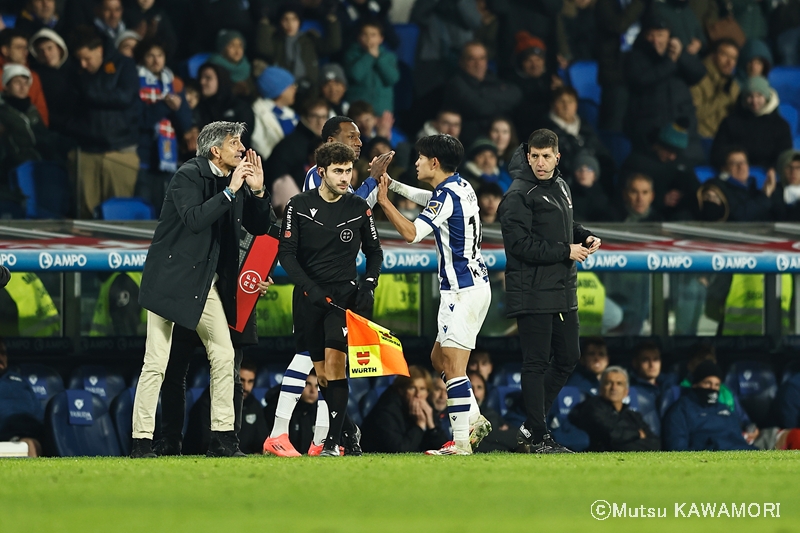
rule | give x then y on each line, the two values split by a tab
274	116
755	60
674	183
334	87
754	124
482	165
590	203
282	44
230	56
697	421
52	63
532	78
126	41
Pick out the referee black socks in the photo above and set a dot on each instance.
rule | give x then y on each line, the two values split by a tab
336	394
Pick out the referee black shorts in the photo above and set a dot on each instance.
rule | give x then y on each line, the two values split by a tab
315	328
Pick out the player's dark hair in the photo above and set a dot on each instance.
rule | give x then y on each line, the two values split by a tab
85	37
333	126
445	148
333	153
543	138
645	346
249	364
592	341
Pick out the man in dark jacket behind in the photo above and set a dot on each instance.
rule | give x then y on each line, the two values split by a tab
106	120
542	243
612	426
697	421
191	273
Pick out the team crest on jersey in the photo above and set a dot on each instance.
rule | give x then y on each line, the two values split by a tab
346	235
287	234
433	208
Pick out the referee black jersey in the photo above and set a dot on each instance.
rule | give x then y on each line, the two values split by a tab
320	240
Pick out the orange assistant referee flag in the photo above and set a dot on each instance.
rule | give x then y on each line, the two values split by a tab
372	349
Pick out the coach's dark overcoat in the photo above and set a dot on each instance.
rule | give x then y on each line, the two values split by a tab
198	230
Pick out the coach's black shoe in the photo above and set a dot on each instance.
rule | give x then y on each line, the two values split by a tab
142	449
526	444
224	444
168	446
351	442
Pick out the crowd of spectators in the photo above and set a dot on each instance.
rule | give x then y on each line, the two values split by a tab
116	90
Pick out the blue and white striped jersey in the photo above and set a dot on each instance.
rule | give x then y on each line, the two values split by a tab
452	215
368	190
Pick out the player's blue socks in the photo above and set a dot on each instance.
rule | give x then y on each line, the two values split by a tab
459	399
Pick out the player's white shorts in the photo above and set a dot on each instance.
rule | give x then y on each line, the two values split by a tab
461	316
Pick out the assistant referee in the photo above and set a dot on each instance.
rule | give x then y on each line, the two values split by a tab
322	233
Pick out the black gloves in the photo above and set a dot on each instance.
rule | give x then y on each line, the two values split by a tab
365	299
319	298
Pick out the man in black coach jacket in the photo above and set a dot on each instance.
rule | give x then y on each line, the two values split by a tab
542	243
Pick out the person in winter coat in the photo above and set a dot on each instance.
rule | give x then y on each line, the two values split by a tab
697	421
191	274
659	72
756	125
589	200
717	92
613	426
542	243
53	65
372	69
402	421
755	59
217	101
741	200
535	82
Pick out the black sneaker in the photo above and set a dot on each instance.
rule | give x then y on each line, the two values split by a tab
554	446
142	449
330	450
351	442
224	444
168	446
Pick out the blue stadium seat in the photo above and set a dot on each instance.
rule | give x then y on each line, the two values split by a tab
195	62
646	404
707	144
354	410
704	173
563	431
201	378
754	383
43	380
509	375
121	410
669	397
589	111
382	382
99	438
10	20
789	113
359	387
259	393
791	369
499	399
97	380
408	35
269	377
583	78
618	144
311	24
796	142
192	396
125	209
786	80
46	186
369	400
760	174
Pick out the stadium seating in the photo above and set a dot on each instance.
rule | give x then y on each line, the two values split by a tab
755	385
647	405
509	375
121	410
311	24
789	113
618	144
704	173
408	34
791	369
589	112
632	399
354	410
583	78
43	380
97	438
9	20
125	209
786	80
563	431
669	397
192	396
370	399
46	186
201	378
269	377
98	380
760	174
259	393
195	62
382	382
359	387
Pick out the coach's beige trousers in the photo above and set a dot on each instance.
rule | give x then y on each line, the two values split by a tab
215	334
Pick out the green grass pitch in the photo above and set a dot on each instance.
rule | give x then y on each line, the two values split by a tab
404	493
